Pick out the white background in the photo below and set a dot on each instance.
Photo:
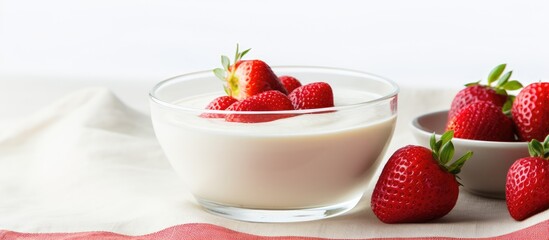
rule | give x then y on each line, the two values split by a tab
49	48
60	45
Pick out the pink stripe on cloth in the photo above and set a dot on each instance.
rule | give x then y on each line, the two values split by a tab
195	231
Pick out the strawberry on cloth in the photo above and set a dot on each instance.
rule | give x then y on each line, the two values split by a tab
418	184
527	186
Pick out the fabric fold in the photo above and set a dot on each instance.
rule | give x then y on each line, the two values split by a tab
81	154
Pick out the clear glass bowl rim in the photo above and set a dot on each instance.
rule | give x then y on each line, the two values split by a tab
393	93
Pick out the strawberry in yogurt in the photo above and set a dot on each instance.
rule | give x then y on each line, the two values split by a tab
255	150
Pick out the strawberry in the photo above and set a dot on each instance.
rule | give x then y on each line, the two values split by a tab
482	121
219	103
290	83
531	112
497	94
473	94
527	185
312	95
246	78
271	100
418	184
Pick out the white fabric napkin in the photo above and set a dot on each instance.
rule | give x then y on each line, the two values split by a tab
90	163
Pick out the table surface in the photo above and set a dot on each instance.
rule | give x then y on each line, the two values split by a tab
161	201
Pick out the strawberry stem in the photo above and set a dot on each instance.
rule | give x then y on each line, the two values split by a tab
503	84
239	55
226	74
443	152
539	149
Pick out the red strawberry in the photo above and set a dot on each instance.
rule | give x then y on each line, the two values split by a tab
531	112
527	186
416	184
473	94
266	101
482	121
219	103
497	94
290	83
246	78
312	95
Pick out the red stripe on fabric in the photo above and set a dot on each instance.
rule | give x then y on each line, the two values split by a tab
199	231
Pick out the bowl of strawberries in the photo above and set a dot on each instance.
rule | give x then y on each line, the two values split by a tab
274	144
492	123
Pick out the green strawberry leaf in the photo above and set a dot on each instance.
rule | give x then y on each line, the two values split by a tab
504	79
447	137
225	62
443	151
496	73
446	152
244	53
239	55
512	85
507	106
539	149
455	167
219	73
535	148
500	91
433	142
473	83
438	145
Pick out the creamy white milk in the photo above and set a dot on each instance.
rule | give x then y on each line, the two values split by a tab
305	161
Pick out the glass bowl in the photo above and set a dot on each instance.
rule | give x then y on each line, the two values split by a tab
307	165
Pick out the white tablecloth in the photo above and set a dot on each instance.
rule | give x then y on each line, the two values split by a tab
89	162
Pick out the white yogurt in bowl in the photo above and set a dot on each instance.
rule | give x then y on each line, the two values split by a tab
313	165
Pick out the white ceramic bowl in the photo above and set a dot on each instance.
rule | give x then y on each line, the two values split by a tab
485	173
313	165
